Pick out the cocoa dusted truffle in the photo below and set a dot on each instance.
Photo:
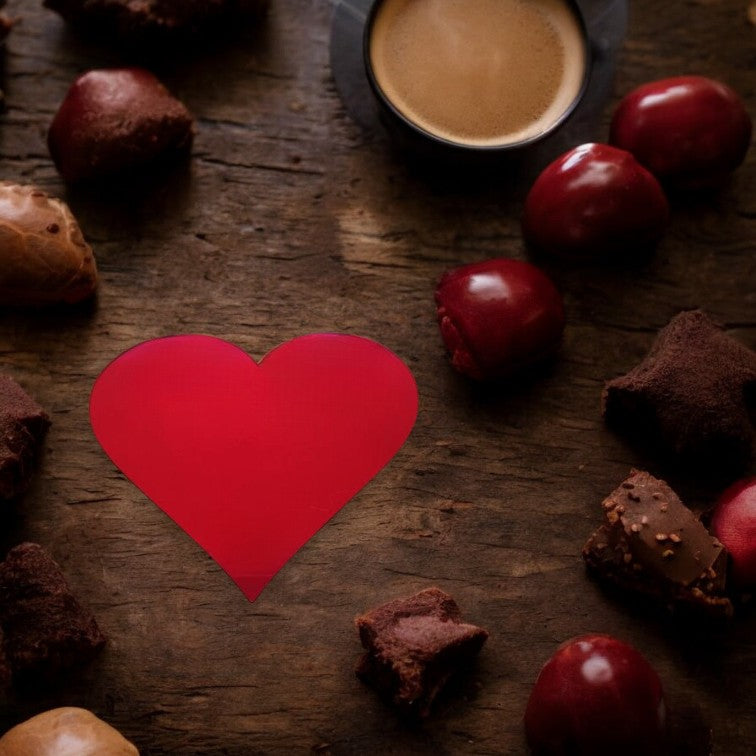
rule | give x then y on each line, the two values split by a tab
693	393
117	121
153	21
414	645
23	424
46	629
653	544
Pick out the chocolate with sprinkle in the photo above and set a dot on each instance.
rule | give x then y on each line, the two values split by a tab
652	543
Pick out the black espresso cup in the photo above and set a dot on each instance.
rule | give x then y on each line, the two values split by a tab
475	80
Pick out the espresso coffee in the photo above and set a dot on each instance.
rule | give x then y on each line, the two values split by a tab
479	72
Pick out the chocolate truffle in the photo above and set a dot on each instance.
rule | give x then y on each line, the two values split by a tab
23	424
653	544
117	121
414	645
693	393
44	258
46	628
155	21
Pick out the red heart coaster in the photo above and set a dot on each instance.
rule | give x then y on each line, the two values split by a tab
252	459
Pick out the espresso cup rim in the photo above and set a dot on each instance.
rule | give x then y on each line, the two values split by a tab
466	147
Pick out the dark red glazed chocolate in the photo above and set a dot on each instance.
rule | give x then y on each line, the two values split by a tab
414	645
498	317
116	121
689	131
734	523
595	202
596	696
23	424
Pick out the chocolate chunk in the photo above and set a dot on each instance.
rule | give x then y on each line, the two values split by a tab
652	543
116	122
23	424
46	629
414	645
155	21
5	670
692	392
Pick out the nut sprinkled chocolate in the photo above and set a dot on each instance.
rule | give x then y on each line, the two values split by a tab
693	392
657	546
23	424
414	645
46	629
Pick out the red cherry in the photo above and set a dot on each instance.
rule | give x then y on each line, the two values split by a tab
498	316
595	201
689	131
734	524
116	120
596	696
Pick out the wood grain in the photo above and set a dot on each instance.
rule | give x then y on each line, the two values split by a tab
289	219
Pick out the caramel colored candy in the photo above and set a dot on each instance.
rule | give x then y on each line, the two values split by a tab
44	258
65	732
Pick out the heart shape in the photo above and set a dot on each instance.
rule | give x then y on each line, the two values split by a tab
251	460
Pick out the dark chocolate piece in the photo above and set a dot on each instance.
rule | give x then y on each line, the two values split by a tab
5	24
692	392
414	645
23	424
5	670
153	21
652	543
46	629
116	122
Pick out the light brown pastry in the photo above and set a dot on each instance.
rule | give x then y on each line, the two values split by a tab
67	731
44	258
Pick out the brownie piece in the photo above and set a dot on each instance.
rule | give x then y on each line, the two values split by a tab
23	424
414	645
153	21
46	629
694	392
653	544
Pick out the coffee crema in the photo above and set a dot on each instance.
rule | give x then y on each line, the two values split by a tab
479	72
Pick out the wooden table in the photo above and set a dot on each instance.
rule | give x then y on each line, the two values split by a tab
291	219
